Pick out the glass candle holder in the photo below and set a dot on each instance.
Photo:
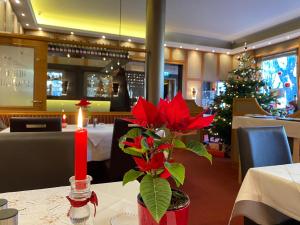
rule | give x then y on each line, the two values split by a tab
80	212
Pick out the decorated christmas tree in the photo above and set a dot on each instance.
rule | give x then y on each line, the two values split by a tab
243	82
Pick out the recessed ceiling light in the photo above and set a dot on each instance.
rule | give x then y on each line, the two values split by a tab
213	50
22	14
288	37
129	40
180	46
197	49
165	44
253	47
17	1
27	25
228	53
103	37
269	42
72	32
40	28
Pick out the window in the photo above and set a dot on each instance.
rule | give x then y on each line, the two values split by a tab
280	75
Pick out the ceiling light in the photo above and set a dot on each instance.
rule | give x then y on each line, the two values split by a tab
165	45
27	25
22	14
103	37
40	28
17	1
72	32
180	46
68	55
213	50
129	40
288	37
253	47
270	42
197	49
228	53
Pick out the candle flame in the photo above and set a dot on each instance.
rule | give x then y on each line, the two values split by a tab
79	120
64	116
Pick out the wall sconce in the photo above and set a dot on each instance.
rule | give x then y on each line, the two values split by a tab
194	93
116	89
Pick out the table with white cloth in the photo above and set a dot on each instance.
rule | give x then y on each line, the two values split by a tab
50	206
291	127
270	195
99	140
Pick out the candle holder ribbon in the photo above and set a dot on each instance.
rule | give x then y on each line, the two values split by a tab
92	199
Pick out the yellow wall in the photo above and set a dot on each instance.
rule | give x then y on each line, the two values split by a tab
69	106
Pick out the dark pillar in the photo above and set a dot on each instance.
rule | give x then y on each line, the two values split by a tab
155	35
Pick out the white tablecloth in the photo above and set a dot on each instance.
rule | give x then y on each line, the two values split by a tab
269	194
291	127
99	140
50	206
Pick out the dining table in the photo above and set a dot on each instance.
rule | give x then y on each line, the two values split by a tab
99	140
269	195
50	206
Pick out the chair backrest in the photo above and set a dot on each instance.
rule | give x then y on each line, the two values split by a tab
30	124
263	146
33	160
243	106
120	162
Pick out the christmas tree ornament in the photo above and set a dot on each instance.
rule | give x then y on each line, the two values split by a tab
287	84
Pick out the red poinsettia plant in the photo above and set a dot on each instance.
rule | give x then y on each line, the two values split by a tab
152	145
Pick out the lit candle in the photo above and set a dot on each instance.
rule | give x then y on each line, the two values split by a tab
80	149
64	121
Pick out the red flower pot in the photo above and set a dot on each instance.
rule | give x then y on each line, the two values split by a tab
178	216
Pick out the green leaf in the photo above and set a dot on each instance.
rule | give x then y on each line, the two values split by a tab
131	175
134	132
121	141
199	149
156	194
144	144
177	171
151	133
178	144
133	151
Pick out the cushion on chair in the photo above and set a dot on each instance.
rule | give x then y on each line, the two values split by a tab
33	160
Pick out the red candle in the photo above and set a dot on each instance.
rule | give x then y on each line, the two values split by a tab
80	150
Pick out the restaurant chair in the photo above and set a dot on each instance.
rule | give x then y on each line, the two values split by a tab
263	146
31	124
34	160
120	162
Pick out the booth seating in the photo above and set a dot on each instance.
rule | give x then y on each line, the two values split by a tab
30	160
102	117
31	124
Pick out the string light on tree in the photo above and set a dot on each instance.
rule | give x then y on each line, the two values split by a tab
243	82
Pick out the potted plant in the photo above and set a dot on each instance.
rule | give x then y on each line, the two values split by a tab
152	145
84	104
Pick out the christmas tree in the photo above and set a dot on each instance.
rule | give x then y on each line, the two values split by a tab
243	82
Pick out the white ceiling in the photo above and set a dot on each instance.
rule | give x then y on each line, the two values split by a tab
202	22
228	19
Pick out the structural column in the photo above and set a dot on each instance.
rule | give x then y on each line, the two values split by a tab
155	33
